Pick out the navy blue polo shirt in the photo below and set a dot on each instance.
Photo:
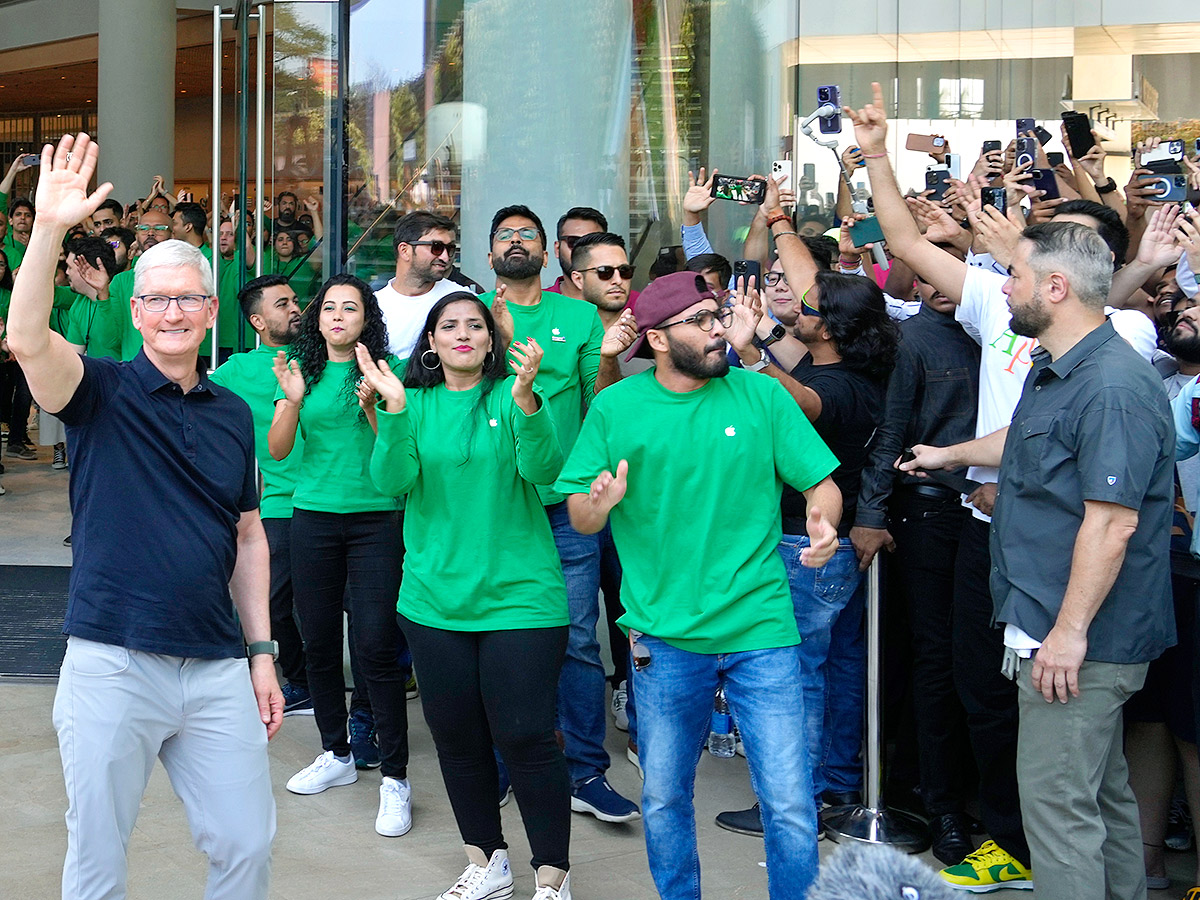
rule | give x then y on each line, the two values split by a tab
159	480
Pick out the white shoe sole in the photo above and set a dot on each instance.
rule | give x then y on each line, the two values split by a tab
581	806
988	888
500	893
341	780
386	833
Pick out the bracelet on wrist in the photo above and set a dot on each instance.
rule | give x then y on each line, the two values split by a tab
777	217
875	155
849	263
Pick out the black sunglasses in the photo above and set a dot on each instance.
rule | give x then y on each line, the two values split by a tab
605	273
437	248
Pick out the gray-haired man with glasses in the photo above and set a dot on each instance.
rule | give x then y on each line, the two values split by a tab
167	543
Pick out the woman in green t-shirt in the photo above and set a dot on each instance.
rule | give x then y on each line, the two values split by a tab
345	540
483	602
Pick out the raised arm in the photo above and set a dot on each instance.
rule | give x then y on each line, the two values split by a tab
51	365
945	272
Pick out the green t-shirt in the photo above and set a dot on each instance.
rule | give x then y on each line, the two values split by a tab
698	528
334	474
250	375
14	250
479	555
99	326
229	311
569	333
64	302
120	292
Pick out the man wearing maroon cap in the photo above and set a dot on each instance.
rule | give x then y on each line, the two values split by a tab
662	454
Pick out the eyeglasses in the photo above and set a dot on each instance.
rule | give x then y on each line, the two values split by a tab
773	278
807	308
185	302
705	318
144	228
605	273
525	234
437	248
113	243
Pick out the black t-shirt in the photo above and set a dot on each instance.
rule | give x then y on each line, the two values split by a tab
851	408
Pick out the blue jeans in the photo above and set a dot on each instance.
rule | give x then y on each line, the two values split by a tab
829	612
675	693
581	682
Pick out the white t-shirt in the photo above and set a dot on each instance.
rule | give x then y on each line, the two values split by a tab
405	316
1007	357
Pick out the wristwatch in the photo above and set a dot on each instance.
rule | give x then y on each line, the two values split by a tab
254	648
1108	188
778	333
763	362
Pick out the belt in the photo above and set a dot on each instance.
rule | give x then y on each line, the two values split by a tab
936	491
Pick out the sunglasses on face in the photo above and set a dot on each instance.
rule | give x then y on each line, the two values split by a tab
807	308
437	248
525	234
605	273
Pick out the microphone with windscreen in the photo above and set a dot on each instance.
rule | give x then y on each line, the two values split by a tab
876	872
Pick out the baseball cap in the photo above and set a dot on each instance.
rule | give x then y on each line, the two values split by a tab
665	297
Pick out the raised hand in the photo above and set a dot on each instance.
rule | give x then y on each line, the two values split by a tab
287	373
698	196
747	311
95	277
822	540
379	378
526	359
870	122
852	158
1158	246
62	197
504	320
1187	235
619	336
312	204
609	489
937	225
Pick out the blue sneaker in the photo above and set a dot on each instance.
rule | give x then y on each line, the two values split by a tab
597	797
364	744
296	700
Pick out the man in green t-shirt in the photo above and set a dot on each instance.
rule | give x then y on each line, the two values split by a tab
689	460
269	305
580	360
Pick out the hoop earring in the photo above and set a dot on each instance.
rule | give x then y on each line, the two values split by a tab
427	365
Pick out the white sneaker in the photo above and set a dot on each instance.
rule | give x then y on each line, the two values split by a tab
620	697
546	891
395	807
326	771
482	879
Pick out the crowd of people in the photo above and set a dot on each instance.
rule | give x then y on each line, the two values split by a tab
1005	413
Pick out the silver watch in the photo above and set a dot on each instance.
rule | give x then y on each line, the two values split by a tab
763	362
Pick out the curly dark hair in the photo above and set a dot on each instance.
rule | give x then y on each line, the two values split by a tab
495	369
311	353
855	313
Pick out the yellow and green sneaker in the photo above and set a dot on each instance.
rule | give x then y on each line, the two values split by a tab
988	869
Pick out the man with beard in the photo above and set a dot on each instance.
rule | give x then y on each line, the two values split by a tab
122	241
574	224
285	211
664	454
1079	577
580	360
425	251
20	225
931	399
270	306
107	215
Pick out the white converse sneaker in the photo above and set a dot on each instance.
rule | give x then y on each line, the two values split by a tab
483	879
326	771
395	807
620	696
547	878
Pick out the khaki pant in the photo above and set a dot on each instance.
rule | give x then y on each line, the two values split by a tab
1080	815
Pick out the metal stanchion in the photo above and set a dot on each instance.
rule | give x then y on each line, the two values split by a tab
872	822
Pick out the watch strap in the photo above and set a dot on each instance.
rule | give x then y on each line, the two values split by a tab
254	648
1107	188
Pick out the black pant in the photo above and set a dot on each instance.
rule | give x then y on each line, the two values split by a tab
485	687
610	588
361	552
927	532
989	698
283	609
16	404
